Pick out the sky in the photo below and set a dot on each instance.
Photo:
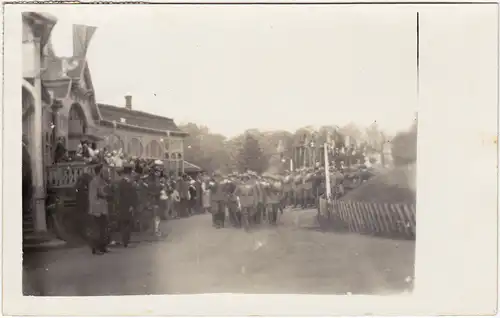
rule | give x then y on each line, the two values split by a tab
234	68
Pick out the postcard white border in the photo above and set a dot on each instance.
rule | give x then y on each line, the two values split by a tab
456	254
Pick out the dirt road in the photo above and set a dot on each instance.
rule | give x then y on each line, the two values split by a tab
293	257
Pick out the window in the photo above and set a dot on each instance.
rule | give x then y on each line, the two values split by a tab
173	152
76	121
155	149
135	147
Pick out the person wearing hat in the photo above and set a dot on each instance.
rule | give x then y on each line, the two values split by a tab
265	186
261	202
185	195
127	203
299	189
246	197
193	195
98	211
174	200
233	203
219	201
206	188
274	192
306	188
154	191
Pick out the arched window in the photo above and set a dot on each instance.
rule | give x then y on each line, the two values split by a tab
154	150
76	120
77	127
135	147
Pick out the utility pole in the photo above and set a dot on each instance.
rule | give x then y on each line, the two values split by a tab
327	173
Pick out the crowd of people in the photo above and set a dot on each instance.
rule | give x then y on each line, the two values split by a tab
248	199
135	198
123	195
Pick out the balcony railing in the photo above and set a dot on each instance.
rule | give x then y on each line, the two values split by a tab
65	175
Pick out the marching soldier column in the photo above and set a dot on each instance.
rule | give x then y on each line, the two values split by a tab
248	199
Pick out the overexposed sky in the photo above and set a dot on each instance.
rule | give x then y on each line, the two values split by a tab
238	67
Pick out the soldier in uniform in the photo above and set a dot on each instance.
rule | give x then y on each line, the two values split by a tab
307	188
206	188
247	195
98	210
287	191
219	201
154	192
232	204
295	191
127	203
301	188
264	186
274	191
260	209
336	183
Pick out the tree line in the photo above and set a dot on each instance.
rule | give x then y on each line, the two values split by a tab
261	150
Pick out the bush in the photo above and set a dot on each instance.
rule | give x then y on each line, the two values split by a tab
404	147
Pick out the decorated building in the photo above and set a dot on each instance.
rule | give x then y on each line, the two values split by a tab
59	106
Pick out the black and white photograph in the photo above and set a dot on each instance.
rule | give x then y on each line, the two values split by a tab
225	149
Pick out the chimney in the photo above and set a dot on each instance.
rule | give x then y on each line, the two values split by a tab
128	101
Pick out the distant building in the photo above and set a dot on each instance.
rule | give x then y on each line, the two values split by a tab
141	134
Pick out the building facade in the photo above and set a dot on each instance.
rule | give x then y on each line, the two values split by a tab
37	103
59	105
141	134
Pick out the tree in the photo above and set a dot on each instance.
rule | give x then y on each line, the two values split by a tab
404	146
207	150
375	137
251	156
352	131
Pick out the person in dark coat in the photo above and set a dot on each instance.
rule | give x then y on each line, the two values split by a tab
60	152
199	193
154	192
98	211
127	204
185	196
219	200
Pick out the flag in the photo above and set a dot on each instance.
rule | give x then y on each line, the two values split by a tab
49	23
82	34
347	141
41	24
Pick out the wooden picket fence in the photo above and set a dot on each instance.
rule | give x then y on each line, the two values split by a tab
379	219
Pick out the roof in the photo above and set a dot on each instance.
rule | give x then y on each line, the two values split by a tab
138	118
189	167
